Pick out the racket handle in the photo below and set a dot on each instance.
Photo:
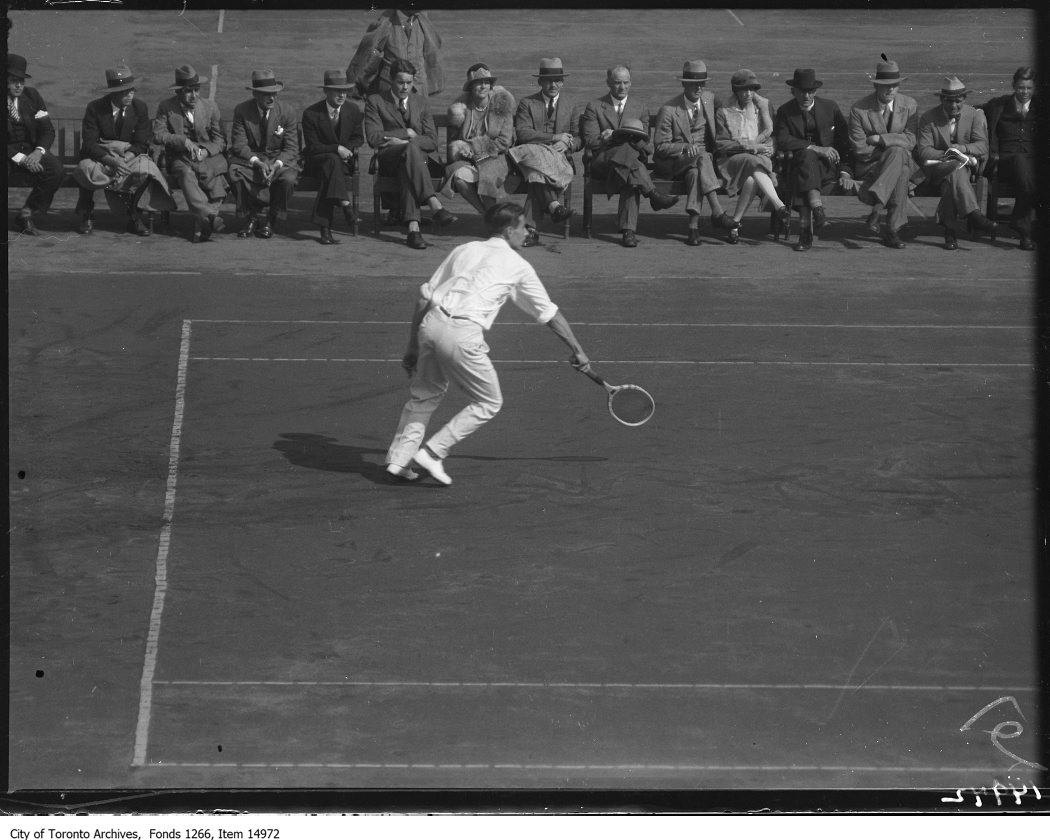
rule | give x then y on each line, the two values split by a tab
590	374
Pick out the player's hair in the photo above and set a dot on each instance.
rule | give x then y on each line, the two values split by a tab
501	216
402	65
1025	73
611	70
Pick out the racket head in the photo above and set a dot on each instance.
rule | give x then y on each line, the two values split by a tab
631	405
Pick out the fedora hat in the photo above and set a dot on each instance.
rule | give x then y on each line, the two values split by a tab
887	72
16	66
186	76
119	79
745	79
263	81
952	87
633	128
478	73
551	68
804	79
693	71
336	80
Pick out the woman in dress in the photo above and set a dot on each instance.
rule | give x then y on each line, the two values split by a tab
745	148
480	130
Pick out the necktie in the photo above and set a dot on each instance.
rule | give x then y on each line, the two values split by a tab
619	109
335	118
118	123
952	124
402	106
550	108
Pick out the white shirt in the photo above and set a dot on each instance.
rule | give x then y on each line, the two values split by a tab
1022	107
477	278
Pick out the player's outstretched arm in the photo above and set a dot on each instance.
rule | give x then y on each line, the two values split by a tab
564	332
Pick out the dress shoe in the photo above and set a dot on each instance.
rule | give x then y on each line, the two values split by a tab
783	219
248	231
264	229
137	226
819	218
733	237
805	241
24	224
442	218
950	242
662	201
694	237
872	223
892	239
725	221
349	218
980	223
327	238
560	213
532	238
202	233
403	473
629	239
416	240
432	465
1026	243
216	222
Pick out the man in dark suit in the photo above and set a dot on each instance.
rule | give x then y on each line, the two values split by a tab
618	155
814	130
265	153
190	130
332	133
29	138
399	127
685	148
115	141
1011	148
950	145
548	118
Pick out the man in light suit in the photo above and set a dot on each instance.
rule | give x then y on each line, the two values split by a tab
951	143
685	148
620	156
882	129
332	134
813	129
190	130
548	118
399	127
405	34
29	138
265	153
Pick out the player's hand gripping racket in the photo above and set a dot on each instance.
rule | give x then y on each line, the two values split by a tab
629	404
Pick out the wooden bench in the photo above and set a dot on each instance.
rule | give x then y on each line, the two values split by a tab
387	185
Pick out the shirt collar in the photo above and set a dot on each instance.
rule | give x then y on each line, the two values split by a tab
500	242
1022	106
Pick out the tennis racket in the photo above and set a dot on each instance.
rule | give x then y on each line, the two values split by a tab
628	404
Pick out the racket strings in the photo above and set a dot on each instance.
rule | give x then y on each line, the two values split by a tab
631	405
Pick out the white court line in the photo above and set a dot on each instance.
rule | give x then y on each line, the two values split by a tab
734	17
709	325
597	685
149	666
222	18
693	363
690	768
214	79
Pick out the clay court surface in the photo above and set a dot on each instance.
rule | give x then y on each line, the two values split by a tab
811	569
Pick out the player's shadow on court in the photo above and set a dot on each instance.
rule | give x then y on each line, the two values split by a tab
320	452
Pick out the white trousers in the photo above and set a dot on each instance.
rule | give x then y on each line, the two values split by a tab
454	351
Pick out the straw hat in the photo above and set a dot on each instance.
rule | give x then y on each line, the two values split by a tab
551	68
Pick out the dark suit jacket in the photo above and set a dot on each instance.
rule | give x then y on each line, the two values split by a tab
99	126
39	130
383	119
531	115
995	109
789	129
321	137
600	114
282	134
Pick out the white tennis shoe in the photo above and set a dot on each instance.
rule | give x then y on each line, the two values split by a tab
432	465
404	473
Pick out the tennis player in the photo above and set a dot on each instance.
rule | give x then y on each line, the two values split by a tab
446	341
